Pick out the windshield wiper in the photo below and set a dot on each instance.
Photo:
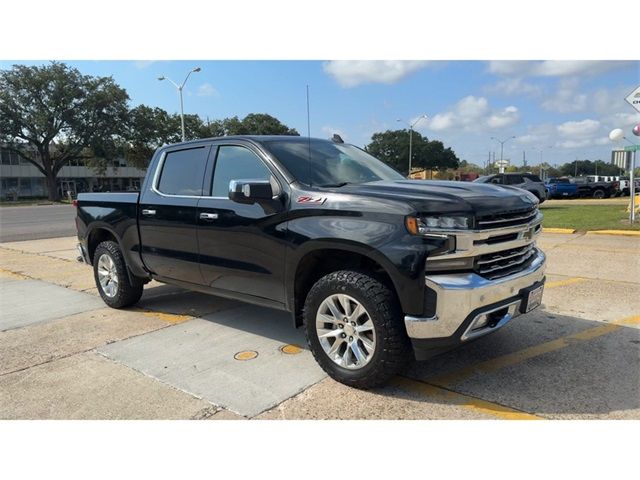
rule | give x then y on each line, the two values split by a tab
335	185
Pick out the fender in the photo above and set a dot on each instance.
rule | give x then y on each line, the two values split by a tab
410	292
129	249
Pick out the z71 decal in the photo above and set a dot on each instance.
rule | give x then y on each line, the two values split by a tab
308	199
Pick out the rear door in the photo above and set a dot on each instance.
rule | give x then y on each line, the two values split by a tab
242	245
514	180
168	214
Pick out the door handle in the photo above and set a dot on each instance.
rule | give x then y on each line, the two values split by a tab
148	212
208	216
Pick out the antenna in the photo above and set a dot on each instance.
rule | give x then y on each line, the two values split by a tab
309	136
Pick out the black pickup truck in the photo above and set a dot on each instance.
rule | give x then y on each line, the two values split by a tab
589	188
377	268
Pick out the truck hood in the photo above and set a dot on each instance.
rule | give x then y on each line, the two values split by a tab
429	196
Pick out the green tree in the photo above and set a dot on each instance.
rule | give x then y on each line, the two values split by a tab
256	124
392	147
51	115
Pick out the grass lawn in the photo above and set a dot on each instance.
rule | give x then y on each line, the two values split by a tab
588	217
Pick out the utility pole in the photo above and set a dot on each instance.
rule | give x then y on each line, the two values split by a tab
575	172
502	142
411	125
524	159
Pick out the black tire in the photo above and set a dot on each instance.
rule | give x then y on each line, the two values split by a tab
599	193
126	294
392	350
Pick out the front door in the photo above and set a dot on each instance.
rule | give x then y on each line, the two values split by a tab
241	246
167	215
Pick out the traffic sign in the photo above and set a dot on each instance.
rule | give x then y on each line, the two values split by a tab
632	148
633	99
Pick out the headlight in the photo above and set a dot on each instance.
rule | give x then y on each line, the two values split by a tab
425	225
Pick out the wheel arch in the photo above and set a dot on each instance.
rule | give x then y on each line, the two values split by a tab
326	257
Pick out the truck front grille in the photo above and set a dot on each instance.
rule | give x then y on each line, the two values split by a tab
508	219
505	262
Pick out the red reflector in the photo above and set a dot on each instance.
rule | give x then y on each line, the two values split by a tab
75	203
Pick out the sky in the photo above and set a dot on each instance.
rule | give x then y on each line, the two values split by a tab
557	110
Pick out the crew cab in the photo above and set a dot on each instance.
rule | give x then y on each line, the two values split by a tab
377	269
561	188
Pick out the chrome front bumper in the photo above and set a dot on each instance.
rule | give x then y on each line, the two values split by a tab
465	298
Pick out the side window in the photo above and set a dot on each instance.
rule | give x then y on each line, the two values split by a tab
497	180
183	172
513	179
236	163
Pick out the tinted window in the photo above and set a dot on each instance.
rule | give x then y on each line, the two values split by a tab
183	172
513	179
236	163
533	178
497	180
324	163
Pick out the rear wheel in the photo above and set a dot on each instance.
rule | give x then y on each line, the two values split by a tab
354	330
111	276
599	193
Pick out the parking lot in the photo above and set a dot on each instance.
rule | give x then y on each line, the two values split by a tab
187	355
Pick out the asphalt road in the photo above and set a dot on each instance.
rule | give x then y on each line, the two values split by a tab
33	223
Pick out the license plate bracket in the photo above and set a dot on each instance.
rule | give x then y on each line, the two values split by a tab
531	297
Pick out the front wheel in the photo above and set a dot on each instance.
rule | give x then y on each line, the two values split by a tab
112	280
598	194
354	329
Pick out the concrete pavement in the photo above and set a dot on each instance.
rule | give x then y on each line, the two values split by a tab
175	354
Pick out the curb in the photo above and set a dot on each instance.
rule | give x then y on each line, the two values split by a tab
625	233
558	230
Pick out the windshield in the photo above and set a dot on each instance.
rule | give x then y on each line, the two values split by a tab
332	165
484	179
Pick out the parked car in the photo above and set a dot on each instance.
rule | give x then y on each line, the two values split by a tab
376	268
561	188
590	188
526	181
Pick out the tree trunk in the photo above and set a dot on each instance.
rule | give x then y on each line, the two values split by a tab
50	174
52	186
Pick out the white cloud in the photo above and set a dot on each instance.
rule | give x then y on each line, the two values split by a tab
207	90
554	68
351	73
142	64
474	114
579	130
567	97
514	86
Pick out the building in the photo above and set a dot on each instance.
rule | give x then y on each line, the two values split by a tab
20	179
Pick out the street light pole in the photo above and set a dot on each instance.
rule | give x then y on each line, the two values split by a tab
180	88
411	125
502	142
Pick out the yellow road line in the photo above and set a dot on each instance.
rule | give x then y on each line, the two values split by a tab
562	283
167	317
626	233
535	351
474	404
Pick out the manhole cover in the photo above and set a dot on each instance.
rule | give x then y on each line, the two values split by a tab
246	355
291	349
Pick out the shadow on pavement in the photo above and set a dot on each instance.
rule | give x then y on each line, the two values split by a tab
544	363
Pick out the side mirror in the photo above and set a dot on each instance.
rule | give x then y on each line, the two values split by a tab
250	191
